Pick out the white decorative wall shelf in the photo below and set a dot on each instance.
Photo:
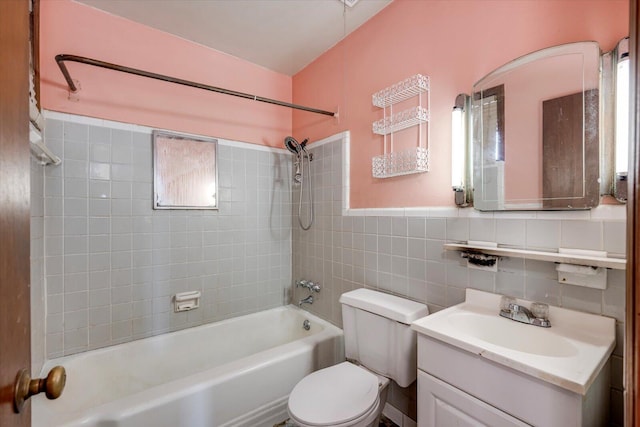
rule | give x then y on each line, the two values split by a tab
401	163
565	258
408	88
413	160
402	120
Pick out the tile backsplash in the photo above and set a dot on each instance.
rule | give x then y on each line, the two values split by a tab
402	253
112	263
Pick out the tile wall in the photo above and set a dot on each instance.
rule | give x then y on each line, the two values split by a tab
401	251
112	263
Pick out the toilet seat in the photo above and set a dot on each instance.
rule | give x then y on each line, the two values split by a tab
365	419
342	394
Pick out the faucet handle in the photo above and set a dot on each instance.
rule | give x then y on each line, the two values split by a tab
314	287
540	310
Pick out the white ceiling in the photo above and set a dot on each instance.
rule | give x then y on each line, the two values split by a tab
281	35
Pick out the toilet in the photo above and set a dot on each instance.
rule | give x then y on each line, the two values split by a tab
379	346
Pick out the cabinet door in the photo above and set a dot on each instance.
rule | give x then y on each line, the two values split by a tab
440	405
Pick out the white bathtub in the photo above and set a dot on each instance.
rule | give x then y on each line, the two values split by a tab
236	372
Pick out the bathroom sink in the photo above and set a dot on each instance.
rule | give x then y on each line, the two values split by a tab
569	354
512	335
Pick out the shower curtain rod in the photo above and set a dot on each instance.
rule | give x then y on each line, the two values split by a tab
60	59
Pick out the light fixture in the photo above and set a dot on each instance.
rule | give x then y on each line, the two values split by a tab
622	128
459	148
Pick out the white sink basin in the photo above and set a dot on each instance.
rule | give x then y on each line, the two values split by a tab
509	334
569	354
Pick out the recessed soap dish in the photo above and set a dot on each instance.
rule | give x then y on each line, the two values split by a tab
186	301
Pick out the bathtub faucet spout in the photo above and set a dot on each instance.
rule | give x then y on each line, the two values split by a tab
307	300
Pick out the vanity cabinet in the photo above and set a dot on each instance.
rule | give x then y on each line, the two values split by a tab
441	404
461	388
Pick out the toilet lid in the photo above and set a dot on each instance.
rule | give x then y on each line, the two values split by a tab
334	395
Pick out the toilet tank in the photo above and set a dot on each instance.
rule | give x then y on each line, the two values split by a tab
377	333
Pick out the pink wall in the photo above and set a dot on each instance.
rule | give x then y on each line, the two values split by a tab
455	42
72	28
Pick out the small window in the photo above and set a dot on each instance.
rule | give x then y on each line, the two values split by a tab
185	171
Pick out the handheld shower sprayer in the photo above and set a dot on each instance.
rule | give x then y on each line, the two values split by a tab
294	146
297	174
298	148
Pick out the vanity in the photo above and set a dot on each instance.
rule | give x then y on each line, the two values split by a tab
478	368
539	133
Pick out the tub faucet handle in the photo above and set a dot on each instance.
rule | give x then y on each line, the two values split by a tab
314	287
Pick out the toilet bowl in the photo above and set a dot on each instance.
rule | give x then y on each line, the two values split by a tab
379	346
343	395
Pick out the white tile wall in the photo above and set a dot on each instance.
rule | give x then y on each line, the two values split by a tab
401	252
112	263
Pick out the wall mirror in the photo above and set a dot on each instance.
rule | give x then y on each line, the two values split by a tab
535	131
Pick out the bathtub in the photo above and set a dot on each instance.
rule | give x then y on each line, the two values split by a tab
237	372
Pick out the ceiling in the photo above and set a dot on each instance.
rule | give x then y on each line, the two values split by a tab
281	35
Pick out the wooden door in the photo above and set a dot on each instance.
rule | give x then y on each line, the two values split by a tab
15	332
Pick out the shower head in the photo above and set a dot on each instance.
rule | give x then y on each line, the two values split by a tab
294	146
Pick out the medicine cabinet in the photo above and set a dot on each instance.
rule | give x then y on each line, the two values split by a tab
544	130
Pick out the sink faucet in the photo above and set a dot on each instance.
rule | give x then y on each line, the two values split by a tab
520	313
307	300
524	315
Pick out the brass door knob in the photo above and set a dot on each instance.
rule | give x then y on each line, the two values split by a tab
25	387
